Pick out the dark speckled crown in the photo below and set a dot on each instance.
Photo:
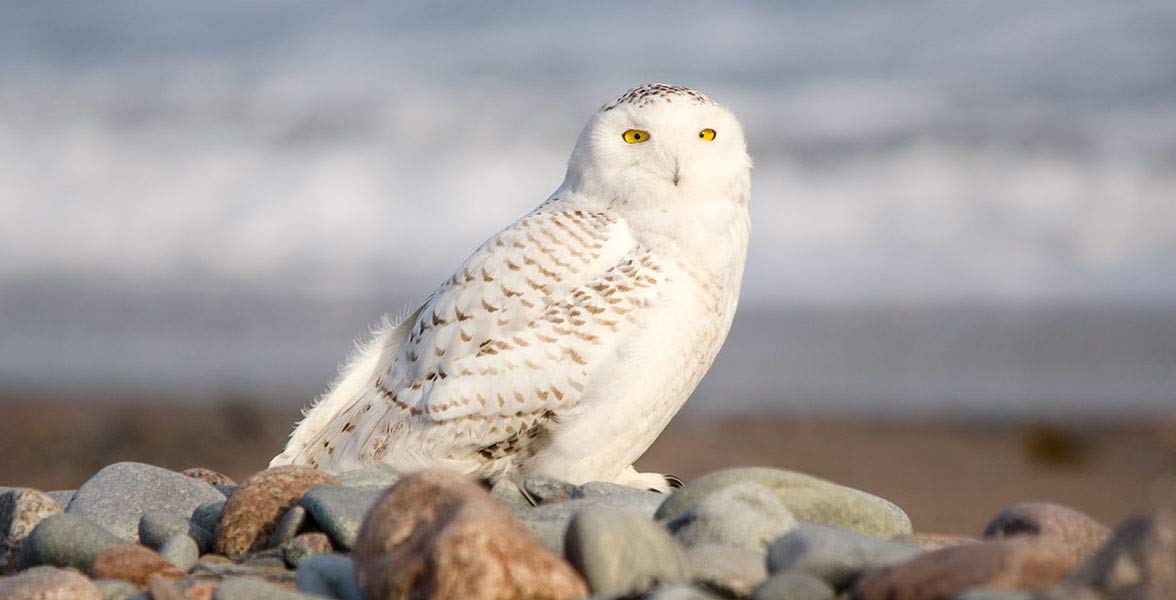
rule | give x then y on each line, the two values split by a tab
644	95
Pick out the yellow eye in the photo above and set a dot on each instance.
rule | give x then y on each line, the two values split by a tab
636	136
706	134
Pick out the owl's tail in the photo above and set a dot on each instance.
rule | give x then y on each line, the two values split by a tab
317	441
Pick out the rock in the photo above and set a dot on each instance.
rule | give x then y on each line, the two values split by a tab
1139	561
508	493
208	476
338	510
207	516
550	521
134	563
21	509
331	575
678	592
48	584
368	478
835	556
1001	565
730	572
304	546
436	534
243	588
162	589
597	489
62	497
742	515
810	500
115	589
993	595
117	496
620	553
155	528
206	569
1076	530
254	511
181	551
288	527
793	586
227	490
66	540
542	489
933	541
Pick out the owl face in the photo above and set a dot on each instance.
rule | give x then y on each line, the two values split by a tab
658	145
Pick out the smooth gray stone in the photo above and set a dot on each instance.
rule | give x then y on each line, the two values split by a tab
835	556
226	490
207	516
810	499
181	550
118	495
245	588
742	515
66	540
793	586
155	528
992	595
549	522
331	575
596	489
62	497
728	571
366	478
508	493
339	510
288	527
115	589
679	592
542	488
622	553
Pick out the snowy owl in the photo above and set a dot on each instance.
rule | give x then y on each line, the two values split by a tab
565	344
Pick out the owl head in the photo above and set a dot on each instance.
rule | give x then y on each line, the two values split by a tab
658	145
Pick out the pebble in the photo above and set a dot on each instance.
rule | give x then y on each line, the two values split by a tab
305	545
366	478
244	588
134	563
21	509
181	551
1139	561
729	571
743	515
155	528
65	540
254	511
597	489
48	584
835	556
678	592
207	568
508	493
118	495
620	553
331	575
1002	565
338	510
993	595
115	589
810	499
208	476
1076	530
448	538
933	541
542	489
288	527
162	589
549	522
207	516
62	497
793	586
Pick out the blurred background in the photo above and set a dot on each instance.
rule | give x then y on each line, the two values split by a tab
960	292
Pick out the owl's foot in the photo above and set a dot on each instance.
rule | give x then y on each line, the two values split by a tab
655	482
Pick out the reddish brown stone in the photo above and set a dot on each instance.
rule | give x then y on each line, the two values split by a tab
933	541
438	535
1077	531
134	563
256	508
202	590
20	511
1138	563
208	476
1023	564
48	584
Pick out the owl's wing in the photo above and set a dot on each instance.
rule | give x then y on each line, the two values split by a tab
499	351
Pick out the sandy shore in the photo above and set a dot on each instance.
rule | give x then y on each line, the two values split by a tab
950	476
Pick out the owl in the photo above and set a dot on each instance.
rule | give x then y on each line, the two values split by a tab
565	344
